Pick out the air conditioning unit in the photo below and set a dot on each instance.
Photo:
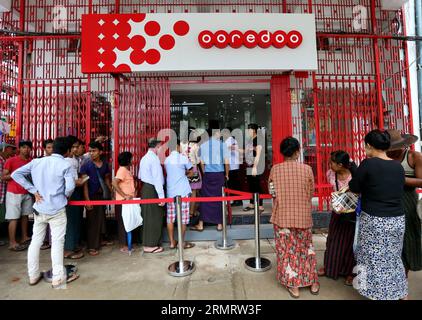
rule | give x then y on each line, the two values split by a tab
392	4
5	5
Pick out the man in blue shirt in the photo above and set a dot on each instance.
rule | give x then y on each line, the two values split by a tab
215	163
53	182
178	168
98	187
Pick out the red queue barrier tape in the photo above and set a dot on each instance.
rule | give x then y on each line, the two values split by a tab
240	193
155	201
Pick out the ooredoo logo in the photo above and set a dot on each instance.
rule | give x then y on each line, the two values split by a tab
125	41
250	39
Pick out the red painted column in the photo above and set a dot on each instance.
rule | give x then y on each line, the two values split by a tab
281	113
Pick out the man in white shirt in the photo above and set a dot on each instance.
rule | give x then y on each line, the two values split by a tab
178	168
151	174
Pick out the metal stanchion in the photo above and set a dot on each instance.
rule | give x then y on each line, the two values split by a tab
257	263
182	267
225	243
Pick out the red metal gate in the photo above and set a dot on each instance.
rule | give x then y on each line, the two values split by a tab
53	108
143	110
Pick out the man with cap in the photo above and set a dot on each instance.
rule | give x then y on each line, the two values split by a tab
6	151
151	174
412	164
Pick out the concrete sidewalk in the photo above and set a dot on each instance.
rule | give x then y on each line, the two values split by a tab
219	275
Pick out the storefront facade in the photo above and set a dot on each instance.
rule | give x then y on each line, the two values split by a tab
360	80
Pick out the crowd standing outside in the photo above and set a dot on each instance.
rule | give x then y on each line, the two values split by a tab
18	200
380	181
51	192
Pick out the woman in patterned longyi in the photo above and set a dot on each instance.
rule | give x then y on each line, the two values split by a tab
292	218
380	181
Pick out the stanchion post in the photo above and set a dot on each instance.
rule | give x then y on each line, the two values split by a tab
182	267
225	243
257	263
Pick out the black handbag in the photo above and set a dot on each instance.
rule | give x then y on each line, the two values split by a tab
195	178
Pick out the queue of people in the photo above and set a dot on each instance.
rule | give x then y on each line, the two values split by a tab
377	258
373	248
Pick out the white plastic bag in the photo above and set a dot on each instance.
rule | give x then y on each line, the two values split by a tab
131	214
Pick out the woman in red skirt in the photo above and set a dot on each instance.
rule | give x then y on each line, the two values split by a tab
339	259
292	218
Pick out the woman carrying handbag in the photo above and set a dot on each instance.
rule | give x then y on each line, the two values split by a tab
339	259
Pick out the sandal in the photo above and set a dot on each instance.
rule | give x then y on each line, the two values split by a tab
107	243
93	252
247	209
349	281
34	282
321	272
45	246
72	277
175	246
188	245
314	292
195	228
75	255
27	242
156	250
292	294
19	247
124	250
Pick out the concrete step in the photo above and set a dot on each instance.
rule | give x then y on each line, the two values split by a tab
235	232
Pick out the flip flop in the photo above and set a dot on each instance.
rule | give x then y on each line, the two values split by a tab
315	293
37	280
70	278
70	271
196	229
292	294
93	252
188	245
75	255
45	246
19	247
27	242
175	246
107	243
247	209
156	250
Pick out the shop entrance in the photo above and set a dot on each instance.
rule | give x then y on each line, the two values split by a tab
233	109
